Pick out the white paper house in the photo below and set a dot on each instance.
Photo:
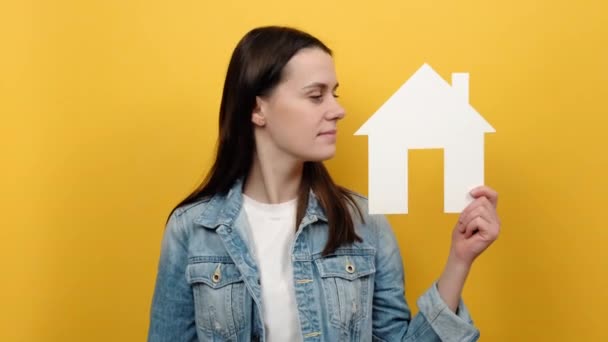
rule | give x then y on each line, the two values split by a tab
425	112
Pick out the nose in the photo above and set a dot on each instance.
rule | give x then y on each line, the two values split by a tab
336	112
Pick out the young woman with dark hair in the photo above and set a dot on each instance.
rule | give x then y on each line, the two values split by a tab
269	248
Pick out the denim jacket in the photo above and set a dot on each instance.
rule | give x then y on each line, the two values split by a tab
208	284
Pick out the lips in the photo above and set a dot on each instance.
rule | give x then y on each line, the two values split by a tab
330	132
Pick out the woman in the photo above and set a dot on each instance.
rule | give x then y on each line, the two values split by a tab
269	248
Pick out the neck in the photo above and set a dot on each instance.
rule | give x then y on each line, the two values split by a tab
273	180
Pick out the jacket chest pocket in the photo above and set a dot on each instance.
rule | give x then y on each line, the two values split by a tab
220	297
347	282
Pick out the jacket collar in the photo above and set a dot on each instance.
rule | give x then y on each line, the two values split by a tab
223	209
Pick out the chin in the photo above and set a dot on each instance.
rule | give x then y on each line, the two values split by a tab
319	157
316	153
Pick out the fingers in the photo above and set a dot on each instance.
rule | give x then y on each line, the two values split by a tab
477	203
485	211
470	223
480	211
475	225
487	192
478	216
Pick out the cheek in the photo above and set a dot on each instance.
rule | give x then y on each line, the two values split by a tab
295	136
297	119
294	131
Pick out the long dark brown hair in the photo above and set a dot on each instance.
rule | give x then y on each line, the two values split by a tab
255	69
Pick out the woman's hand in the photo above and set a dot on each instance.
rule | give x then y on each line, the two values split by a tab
478	226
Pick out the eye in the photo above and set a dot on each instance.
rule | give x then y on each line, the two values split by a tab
336	96
316	97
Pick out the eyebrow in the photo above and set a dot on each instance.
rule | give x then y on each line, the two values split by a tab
320	85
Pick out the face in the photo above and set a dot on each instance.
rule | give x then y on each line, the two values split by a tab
299	118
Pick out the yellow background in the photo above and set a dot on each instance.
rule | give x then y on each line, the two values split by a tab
109	114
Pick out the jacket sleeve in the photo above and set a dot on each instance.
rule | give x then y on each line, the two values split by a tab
172	311
391	316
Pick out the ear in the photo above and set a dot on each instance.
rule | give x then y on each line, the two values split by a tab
257	115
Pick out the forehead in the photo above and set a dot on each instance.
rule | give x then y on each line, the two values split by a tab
310	65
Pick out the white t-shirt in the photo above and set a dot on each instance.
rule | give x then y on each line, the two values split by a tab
272	233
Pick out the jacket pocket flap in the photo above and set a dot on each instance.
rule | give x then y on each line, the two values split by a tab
349	267
214	274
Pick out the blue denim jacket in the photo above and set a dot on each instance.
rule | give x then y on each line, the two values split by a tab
208	287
